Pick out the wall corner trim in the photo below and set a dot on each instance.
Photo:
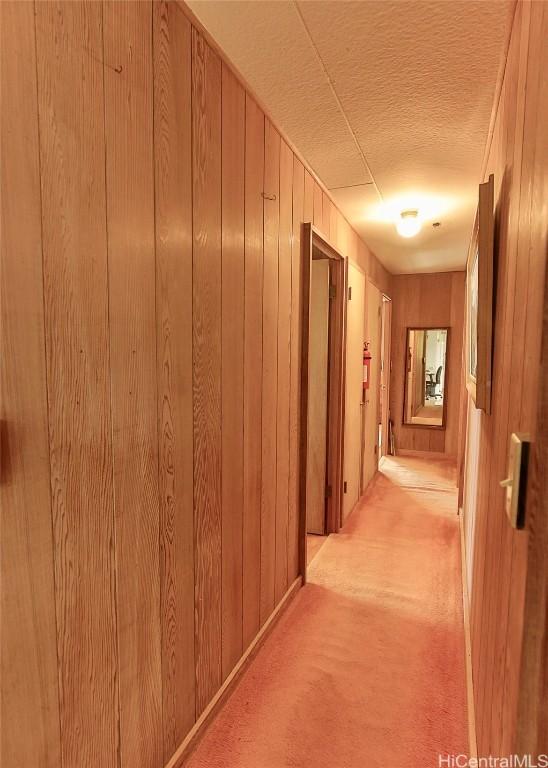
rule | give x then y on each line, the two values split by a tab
472	743
192	739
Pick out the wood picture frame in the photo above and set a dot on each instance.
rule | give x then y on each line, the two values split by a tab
479	300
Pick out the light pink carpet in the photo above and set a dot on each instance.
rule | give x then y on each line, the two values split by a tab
366	667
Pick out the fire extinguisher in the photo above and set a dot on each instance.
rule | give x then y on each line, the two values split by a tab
366	366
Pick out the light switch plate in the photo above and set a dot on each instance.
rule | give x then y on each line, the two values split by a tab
516	481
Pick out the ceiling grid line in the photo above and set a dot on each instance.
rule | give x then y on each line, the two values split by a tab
339	104
349	186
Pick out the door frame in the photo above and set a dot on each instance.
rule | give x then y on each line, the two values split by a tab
361	270
313	240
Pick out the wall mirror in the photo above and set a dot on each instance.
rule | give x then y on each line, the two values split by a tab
425	400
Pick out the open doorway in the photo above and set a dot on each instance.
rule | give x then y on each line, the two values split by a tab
322	387
367	384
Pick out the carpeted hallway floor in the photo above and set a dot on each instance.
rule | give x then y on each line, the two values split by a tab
366	667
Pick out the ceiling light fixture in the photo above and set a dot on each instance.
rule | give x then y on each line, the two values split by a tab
409	223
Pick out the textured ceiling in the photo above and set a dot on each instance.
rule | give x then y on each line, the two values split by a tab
389	102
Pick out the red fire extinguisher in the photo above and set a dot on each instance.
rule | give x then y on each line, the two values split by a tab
366	366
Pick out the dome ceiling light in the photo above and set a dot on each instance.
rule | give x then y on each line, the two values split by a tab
409	223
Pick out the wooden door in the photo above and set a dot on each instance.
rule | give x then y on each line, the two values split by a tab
317	394
372	400
354	392
385	373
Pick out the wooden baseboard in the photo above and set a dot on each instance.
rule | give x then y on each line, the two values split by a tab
472	744
426	454
192	739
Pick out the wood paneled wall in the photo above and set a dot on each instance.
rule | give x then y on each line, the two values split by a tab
431	300
151	338
517	156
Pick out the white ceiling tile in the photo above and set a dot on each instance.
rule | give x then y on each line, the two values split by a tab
415	80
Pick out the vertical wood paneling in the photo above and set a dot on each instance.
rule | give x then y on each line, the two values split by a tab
232	364
365	261
527	323
318	206
72	149
528	311
308	200
342	233
352	247
206	155
29	699
455	371
497	448
270	368
326	216
283	396
532	706
295	389
253	355
507	392
531	229
435	297
153	367
534	231
333	223
498	594
173	190
127	34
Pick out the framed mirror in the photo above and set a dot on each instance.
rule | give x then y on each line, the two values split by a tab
425	400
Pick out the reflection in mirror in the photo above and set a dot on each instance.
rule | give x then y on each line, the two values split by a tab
425	377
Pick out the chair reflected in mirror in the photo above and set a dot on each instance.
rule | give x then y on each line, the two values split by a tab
425	377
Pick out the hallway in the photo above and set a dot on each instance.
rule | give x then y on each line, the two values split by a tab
249	297
366	667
